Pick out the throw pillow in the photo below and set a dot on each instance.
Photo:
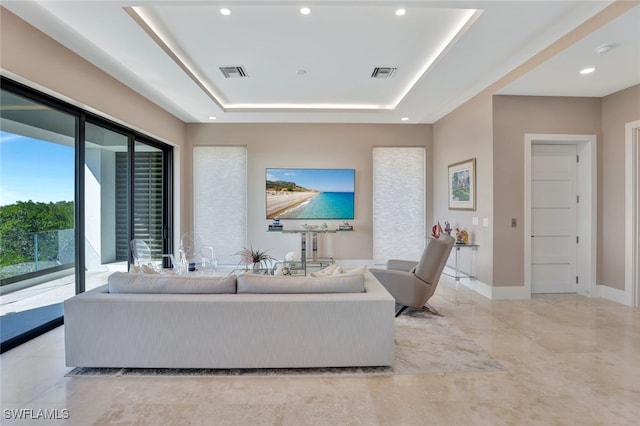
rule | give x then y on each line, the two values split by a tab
360	270
326	272
147	269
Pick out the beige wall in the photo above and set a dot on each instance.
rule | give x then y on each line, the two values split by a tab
463	134
617	110
39	61
514	116
311	146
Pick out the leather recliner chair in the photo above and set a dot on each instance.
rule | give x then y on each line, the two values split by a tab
413	283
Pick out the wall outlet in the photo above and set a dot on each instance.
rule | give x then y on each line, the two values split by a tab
514	222
474	220
485	221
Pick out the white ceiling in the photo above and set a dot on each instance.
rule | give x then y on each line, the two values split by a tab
317	67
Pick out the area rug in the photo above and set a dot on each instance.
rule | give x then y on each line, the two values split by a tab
425	343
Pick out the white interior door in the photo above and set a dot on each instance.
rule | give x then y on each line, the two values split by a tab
553	219
632	214
635	200
636	227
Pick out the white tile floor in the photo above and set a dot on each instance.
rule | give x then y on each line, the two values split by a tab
571	361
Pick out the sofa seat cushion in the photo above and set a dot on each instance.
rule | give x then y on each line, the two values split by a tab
124	282
254	283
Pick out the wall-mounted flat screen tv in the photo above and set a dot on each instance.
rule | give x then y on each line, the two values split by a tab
310	193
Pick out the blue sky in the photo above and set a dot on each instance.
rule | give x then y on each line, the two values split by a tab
326	180
34	170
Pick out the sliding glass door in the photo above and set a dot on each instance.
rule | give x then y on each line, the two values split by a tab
75	189
125	197
106	201
37	219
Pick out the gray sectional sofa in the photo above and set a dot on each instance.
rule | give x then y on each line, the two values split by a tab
249	321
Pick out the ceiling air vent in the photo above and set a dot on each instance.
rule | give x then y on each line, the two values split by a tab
383	72
233	72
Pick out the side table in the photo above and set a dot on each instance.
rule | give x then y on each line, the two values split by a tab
458	273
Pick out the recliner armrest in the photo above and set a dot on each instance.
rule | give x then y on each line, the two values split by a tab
401	265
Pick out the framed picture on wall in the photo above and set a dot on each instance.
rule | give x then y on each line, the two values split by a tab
462	185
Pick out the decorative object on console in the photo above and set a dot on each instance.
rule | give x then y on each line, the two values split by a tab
462	236
292	256
282	270
345	227
462	185
436	230
275	226
447	227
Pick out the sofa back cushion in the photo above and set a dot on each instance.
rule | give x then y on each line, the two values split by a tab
254	283
124	282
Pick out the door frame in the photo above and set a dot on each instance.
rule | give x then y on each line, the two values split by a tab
631	215
587	209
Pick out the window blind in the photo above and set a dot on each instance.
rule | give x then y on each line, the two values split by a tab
220	199
399	203
148	190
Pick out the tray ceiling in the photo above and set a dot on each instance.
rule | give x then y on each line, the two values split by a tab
317	67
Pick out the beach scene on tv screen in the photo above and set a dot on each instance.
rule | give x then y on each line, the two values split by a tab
310	193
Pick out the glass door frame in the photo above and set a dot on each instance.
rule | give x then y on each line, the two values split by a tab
83	117
167	184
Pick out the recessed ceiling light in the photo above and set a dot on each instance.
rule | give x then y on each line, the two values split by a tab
400	12
212	118
225	11
588	70
404	119
601	50
305	11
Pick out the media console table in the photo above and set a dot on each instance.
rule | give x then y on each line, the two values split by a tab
314	244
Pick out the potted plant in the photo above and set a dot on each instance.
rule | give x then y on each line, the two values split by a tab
258	258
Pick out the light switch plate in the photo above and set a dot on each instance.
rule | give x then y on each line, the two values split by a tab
485	221
474	220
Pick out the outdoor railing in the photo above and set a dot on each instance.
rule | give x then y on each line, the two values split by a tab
26	253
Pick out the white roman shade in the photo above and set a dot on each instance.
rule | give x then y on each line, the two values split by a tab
220	199
398	203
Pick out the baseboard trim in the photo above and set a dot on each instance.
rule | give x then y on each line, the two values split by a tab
511	293
490	292
613	294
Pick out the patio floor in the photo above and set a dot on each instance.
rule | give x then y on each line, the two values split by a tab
26	309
